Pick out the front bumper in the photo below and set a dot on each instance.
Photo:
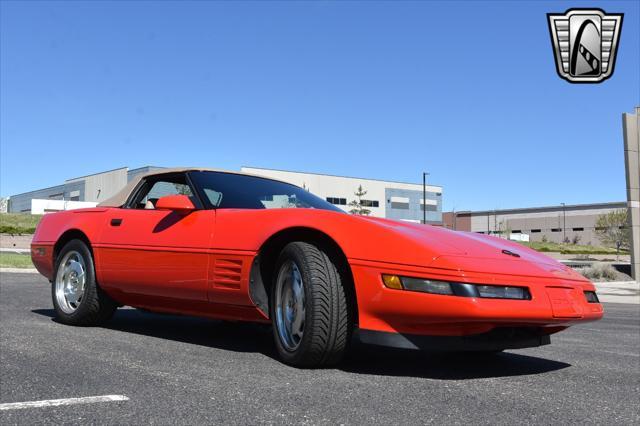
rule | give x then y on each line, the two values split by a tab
42	258
495	340
554	305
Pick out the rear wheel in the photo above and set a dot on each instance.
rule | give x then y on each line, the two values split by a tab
77	299
310	315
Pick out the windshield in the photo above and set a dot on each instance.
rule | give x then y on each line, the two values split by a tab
233	191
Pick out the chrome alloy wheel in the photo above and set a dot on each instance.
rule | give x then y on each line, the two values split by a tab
290	306
70	282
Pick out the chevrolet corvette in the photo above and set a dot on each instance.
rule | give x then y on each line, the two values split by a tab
233	246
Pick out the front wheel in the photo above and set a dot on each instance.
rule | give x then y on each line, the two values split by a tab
77	299
310	314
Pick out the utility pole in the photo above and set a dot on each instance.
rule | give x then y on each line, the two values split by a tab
564	223
424	197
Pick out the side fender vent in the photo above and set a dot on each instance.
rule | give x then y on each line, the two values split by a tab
227	273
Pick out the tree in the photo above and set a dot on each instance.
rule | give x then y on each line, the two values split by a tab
612	229
504	230
182	189
356	205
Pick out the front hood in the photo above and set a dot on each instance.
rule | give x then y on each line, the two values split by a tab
437	247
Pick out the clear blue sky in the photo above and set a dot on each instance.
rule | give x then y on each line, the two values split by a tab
465	90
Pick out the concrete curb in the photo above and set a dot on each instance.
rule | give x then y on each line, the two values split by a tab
19	270
15	250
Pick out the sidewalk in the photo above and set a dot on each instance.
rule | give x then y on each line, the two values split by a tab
15	250
619	292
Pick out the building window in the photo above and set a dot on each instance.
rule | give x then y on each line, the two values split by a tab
369	203
401	203
516	231
535	231
578	229
556	230
401	206
337	201
430	208
438	194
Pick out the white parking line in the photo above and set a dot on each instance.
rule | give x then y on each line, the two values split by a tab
64	401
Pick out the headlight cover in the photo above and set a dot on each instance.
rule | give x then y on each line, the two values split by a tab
456	289
501	292
426	286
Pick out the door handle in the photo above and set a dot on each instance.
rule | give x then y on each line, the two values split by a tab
116	222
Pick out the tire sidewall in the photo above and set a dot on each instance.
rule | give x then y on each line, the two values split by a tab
90	282
292	253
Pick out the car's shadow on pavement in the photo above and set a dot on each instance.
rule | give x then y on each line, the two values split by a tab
445	366
362	359
227	335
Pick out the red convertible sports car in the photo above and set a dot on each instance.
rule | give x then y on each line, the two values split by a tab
240	247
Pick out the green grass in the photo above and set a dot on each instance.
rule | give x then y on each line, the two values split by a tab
13	260
18	223
569	248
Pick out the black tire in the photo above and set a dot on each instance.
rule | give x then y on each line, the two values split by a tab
95	307
328	316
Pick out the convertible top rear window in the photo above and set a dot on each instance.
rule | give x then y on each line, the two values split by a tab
235	191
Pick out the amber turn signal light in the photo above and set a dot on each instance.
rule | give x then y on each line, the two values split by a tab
392	281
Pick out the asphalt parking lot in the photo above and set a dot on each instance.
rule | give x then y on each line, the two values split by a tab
180	370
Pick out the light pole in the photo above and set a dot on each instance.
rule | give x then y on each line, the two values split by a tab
424	197
564	223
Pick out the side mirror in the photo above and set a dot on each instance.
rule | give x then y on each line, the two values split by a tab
177	203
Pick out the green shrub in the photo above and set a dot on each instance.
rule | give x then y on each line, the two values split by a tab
18	223
599	272
14	230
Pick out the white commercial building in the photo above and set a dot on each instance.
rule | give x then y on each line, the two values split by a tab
393	200
42	206
388	199
93	189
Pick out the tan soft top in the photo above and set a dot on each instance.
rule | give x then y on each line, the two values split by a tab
121	197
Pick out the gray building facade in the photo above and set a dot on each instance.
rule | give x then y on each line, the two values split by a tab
413	209
93	188
573	223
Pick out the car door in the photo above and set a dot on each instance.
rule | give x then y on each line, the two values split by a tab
156	256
